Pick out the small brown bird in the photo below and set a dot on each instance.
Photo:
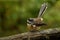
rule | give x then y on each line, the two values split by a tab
34	24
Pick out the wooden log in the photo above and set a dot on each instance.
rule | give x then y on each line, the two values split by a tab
53	33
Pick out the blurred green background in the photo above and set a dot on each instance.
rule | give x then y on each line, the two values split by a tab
14	13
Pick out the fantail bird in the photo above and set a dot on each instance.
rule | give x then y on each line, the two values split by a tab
35	23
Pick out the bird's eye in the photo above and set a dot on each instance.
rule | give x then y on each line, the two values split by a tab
30	19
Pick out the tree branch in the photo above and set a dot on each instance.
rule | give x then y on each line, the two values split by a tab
34	35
